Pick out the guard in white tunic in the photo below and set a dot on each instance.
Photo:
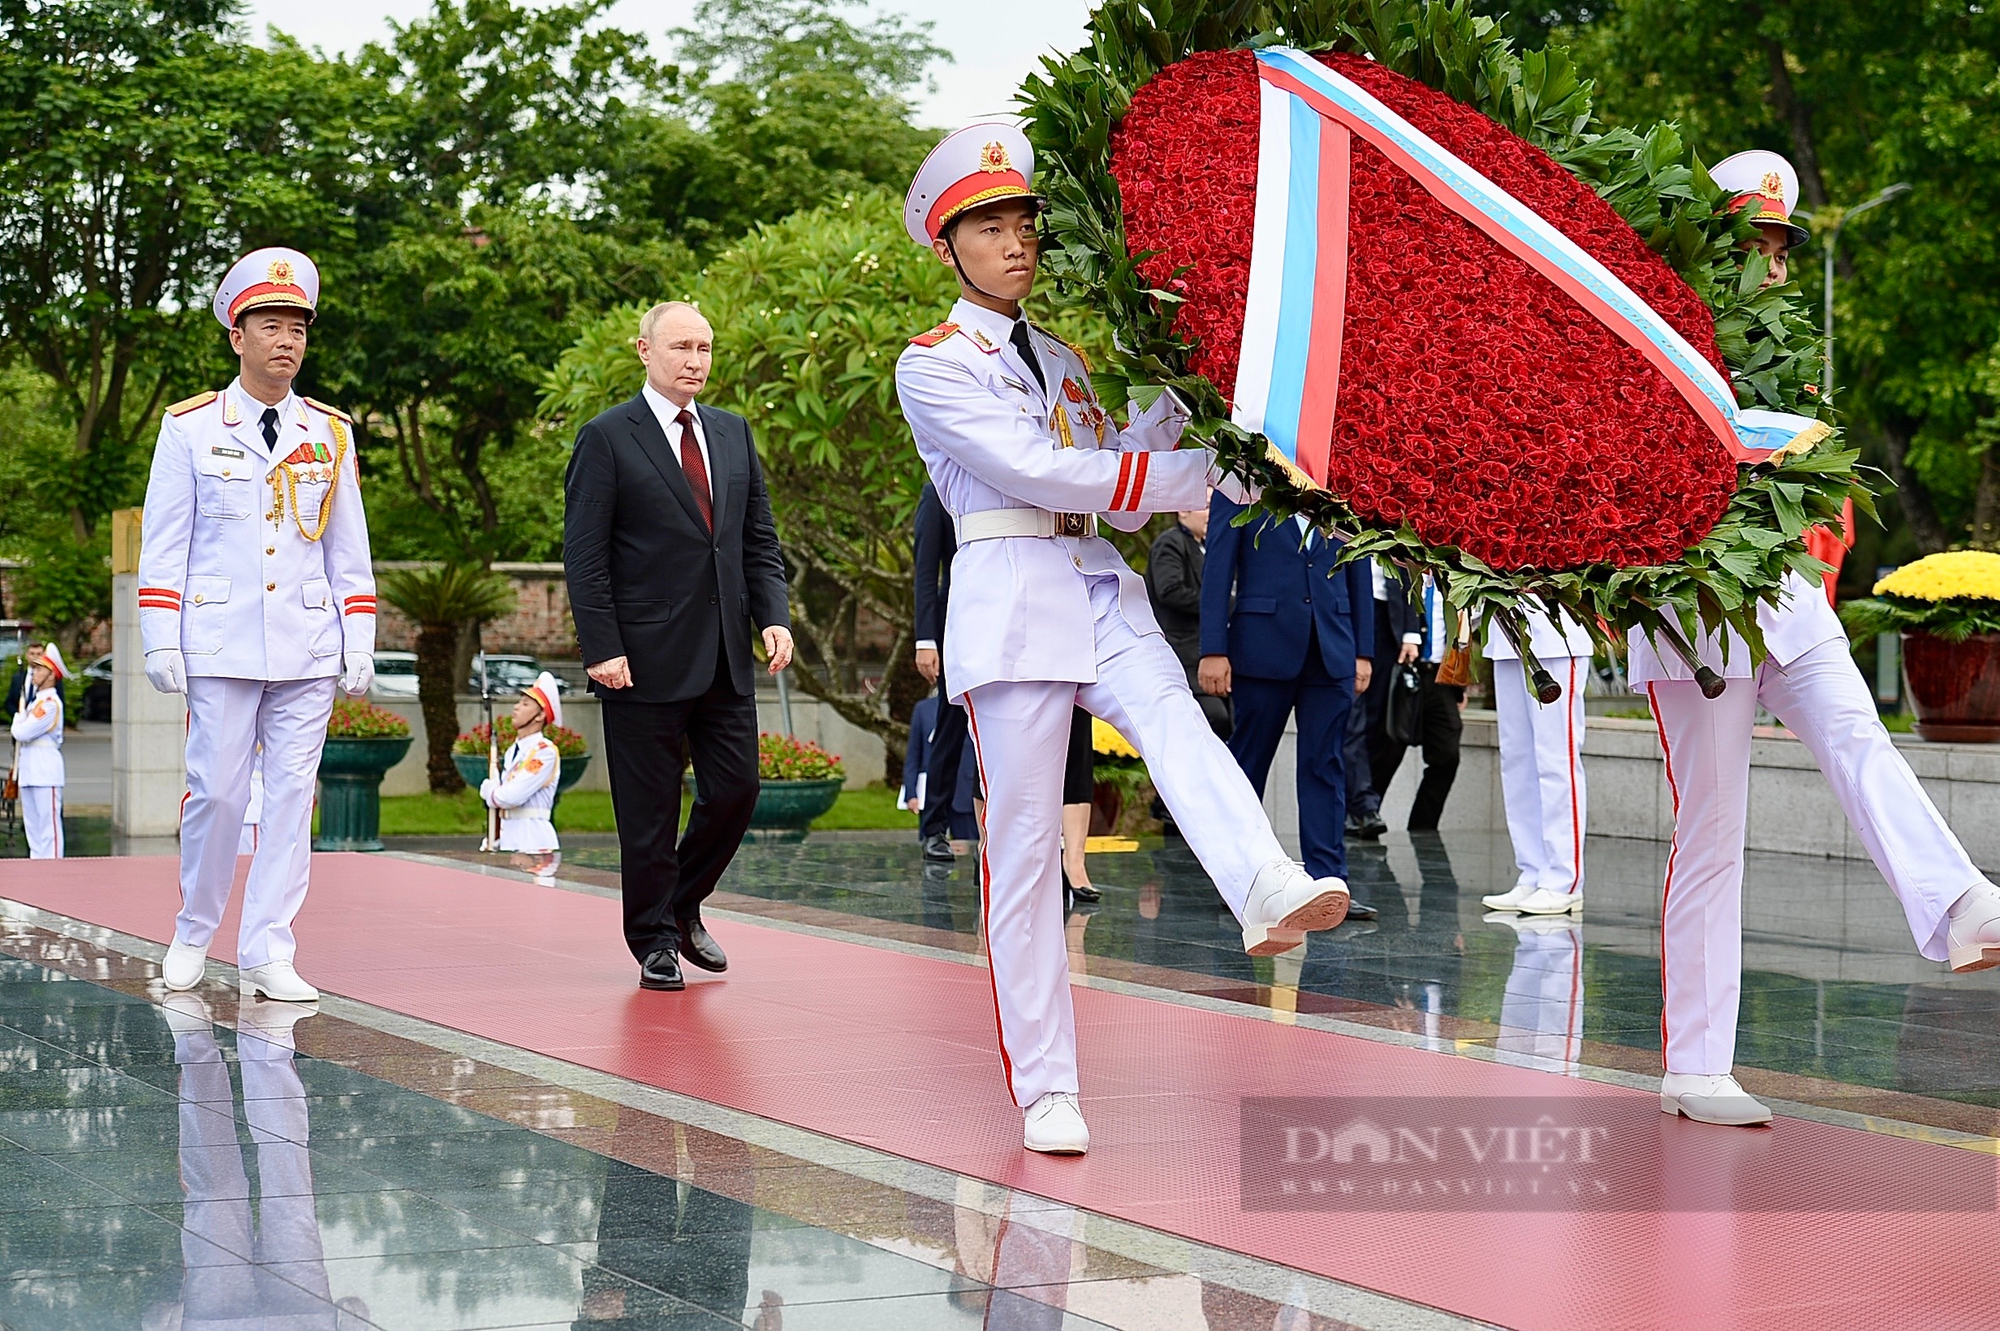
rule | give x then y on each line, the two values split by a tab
525	794
1045	616
1809	682
38	757
256	597
1541	764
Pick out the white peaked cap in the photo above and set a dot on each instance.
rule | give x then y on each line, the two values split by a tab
271	276
988	159
545	691
51	655
1765	182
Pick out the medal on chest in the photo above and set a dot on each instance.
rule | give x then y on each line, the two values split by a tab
311	462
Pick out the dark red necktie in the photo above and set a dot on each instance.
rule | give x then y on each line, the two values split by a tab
696	469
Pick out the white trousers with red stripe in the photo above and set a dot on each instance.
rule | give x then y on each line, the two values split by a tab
1021	733
41	819
227	720
1541	1009
1541	772
1820	698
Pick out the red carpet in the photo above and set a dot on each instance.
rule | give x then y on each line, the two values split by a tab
897	1052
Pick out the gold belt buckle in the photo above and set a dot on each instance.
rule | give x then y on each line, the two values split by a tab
1072	524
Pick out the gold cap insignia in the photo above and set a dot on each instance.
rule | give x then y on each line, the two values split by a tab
280	273
993	158
1773	185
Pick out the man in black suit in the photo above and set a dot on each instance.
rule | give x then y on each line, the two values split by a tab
936	543
1418	618
672	557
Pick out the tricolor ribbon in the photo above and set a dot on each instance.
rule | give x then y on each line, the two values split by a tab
1288	379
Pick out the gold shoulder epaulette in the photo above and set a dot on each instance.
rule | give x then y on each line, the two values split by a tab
318	405
935	335
186	405
1081	354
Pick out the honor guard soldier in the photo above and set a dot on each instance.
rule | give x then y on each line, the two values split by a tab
256	598
1808	681
525	794
1541	764
1045	616
38	758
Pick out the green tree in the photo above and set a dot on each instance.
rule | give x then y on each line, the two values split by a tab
442	600
146	148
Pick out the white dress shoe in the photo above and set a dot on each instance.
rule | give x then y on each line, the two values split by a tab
186	1014
1708	1099
183	967
1974	938
1511	899
1053	1125
275	979
1548	901
1285	904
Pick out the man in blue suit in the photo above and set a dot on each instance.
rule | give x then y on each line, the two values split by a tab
1300	637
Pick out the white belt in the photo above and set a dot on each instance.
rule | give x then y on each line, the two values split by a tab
997	522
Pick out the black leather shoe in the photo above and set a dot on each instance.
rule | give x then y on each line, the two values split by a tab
937	850
1366	827
699	948
1361	910
661	970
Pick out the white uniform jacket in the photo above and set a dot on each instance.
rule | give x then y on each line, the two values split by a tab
229	570
993	438
38	737
526	793
1801	621
1547	639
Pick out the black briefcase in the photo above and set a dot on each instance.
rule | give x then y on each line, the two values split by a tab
1403	718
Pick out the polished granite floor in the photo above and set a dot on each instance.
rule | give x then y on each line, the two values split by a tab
1836	1000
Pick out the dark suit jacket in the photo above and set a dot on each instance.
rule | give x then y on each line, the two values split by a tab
1402	613
1283	594
936	542
1173	581
647	580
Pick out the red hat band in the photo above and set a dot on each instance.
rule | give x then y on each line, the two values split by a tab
269	293
541	700
976	188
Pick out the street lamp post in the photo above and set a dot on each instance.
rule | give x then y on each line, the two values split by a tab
1832	240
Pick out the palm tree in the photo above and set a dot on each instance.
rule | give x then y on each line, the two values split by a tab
441	599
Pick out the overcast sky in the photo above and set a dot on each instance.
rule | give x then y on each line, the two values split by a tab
994	45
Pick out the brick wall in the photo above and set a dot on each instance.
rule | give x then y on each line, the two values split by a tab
540	625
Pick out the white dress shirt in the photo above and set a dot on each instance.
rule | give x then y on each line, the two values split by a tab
664	411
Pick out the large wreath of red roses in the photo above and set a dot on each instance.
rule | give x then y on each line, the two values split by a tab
1616	506
1434	308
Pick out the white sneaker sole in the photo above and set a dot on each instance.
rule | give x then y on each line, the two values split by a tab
1324	911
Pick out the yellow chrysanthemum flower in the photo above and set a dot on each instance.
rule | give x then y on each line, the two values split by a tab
1105	739
1953	575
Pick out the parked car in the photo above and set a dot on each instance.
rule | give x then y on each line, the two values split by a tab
97	689
510	674
395	675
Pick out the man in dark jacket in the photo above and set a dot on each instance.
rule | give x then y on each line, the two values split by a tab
1173	581
674	567
1417	620
935	545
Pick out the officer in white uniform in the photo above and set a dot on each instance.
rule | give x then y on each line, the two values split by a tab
1044	614
1809	682
525	794
256	596
1541	763
38	757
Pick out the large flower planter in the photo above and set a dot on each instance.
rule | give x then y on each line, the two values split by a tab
350	791
1954	686
786	809
472	769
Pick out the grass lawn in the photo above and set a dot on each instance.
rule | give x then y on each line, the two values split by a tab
871	807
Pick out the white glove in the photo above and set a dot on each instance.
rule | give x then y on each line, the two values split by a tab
486	791
166	670
1233	487
357	673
